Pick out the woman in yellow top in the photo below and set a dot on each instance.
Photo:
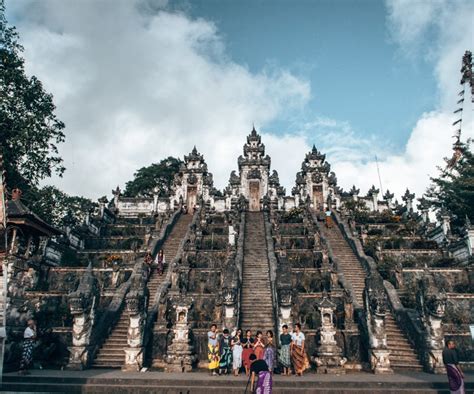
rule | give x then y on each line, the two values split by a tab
213	350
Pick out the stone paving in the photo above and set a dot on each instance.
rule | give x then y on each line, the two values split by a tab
114	381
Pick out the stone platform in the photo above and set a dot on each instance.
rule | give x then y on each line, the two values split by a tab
114	381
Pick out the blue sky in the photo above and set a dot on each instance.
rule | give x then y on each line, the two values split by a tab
138	80
344	48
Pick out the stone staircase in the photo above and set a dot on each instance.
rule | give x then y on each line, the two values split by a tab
111	354
402	353
256	311
348	261
170	249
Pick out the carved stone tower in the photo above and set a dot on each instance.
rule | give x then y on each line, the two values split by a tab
315	181
193	181
254	168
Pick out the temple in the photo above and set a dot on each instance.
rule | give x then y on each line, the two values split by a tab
378	291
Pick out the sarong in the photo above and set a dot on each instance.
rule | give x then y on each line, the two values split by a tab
27	353
299	358
213	356
160	268
259	350
456	383
237	357
269	357
264	383
285	359
245	357
226	358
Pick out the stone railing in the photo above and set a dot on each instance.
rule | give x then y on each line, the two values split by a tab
239	258
233	276
273	267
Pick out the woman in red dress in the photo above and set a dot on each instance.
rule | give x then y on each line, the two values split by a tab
247	344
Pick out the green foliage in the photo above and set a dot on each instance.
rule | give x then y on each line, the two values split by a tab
454	188
357	209
156	175
29	128
58	208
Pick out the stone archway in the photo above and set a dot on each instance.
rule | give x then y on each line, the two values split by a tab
254	196
318	197
191	197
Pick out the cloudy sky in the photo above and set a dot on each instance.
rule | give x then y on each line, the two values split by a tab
138	80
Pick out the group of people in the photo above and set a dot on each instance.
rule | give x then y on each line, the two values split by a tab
158	263
230	352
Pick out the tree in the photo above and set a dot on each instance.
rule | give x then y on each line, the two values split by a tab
159	175
453	189
59	208
29	128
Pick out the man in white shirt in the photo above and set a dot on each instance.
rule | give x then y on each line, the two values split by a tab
29	338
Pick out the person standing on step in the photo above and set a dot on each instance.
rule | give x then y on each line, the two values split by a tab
259	345
247	344
29	338
225	350
148	260
237	352
160	262
269	354
285	358
213	350
259	369
328	218
298	354
455	374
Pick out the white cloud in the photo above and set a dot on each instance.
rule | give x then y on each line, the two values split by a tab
135	87
435	30
429	142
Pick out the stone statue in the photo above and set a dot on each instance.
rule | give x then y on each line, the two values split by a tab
348	310
285	299
431	305
376	305
82	304
398	274
229	300
135	302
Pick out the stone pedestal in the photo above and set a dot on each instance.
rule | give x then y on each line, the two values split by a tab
180	356
133	359
328	354
434	361
380	361
78	358
229	296
284	302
